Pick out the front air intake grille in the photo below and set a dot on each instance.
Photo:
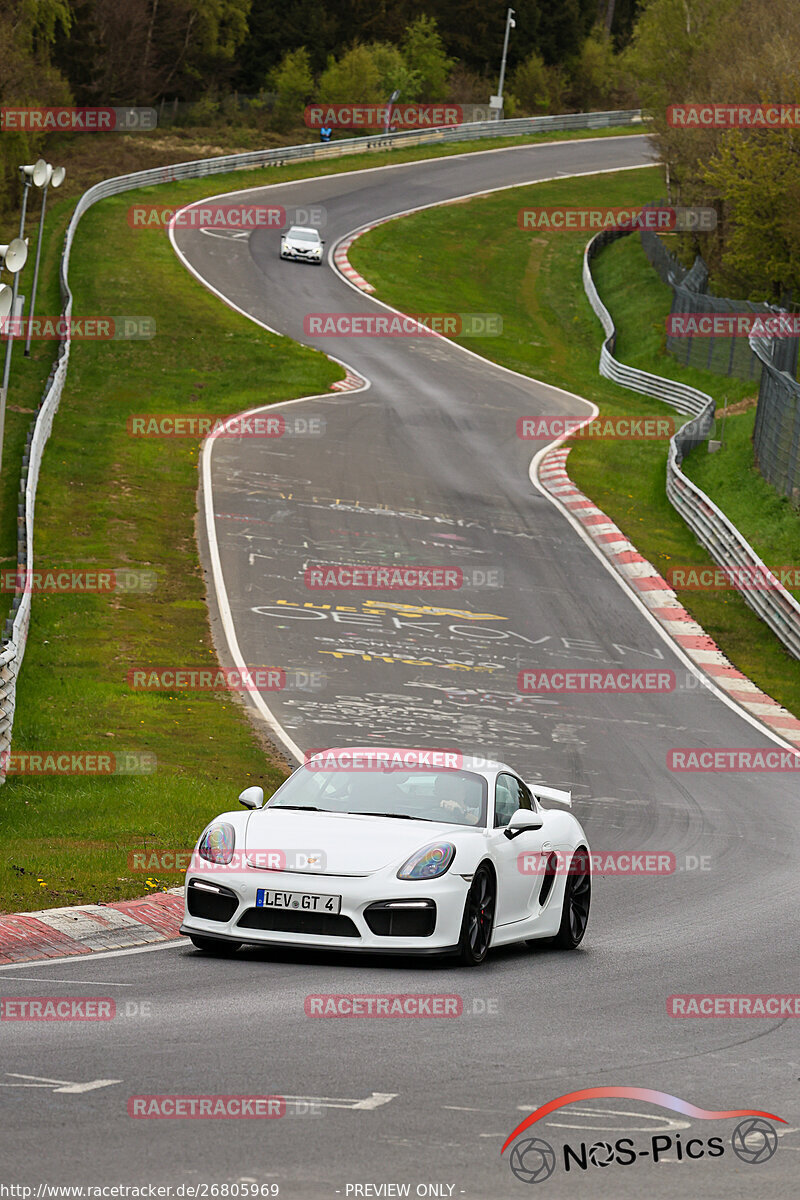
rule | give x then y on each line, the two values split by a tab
282	920
388	919
217	905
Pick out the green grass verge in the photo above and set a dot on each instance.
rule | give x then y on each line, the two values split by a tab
473	257
107	500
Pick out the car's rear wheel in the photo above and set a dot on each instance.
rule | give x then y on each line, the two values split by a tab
212	945
577	901
478	921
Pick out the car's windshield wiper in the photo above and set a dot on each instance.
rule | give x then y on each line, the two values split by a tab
300	807
395	816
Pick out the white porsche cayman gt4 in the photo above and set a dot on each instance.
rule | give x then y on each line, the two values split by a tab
392	851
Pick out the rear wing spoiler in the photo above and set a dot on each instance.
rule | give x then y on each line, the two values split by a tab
547	793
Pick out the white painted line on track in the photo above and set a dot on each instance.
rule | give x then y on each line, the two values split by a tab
79	982
94	955
368	1104
65	1086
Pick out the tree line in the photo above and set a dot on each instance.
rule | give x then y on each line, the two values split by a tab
575	55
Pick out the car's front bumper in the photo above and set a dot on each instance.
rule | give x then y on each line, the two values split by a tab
296	256
358	893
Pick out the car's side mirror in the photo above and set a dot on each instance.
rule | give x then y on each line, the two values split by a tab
252	797
522	821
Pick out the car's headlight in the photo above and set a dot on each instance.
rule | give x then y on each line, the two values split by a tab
216	844
429	862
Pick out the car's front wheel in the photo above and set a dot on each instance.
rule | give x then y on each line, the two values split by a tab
213	945
577	900
478	921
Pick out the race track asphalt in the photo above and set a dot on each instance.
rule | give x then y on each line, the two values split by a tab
424	468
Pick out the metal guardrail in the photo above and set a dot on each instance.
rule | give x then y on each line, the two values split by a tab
15	634
720	537
679	395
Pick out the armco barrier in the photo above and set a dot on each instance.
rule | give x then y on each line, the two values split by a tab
685	399
16	632
723	541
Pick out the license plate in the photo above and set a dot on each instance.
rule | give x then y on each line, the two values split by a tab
299	901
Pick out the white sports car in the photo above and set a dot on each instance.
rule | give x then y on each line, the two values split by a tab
301	244
339	858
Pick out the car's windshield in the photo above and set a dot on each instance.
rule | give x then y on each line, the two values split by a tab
303	235
457	797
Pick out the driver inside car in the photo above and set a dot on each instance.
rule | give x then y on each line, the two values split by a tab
455	800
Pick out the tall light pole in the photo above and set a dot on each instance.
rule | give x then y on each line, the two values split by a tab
53	178
12	257
36	174
395	96
497	101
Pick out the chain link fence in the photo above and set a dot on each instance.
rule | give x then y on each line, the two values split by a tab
776	437
770	361
722	355
713	530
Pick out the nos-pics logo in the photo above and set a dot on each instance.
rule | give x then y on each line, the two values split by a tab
533	1160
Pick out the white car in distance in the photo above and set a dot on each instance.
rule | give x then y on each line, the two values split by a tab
302	245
